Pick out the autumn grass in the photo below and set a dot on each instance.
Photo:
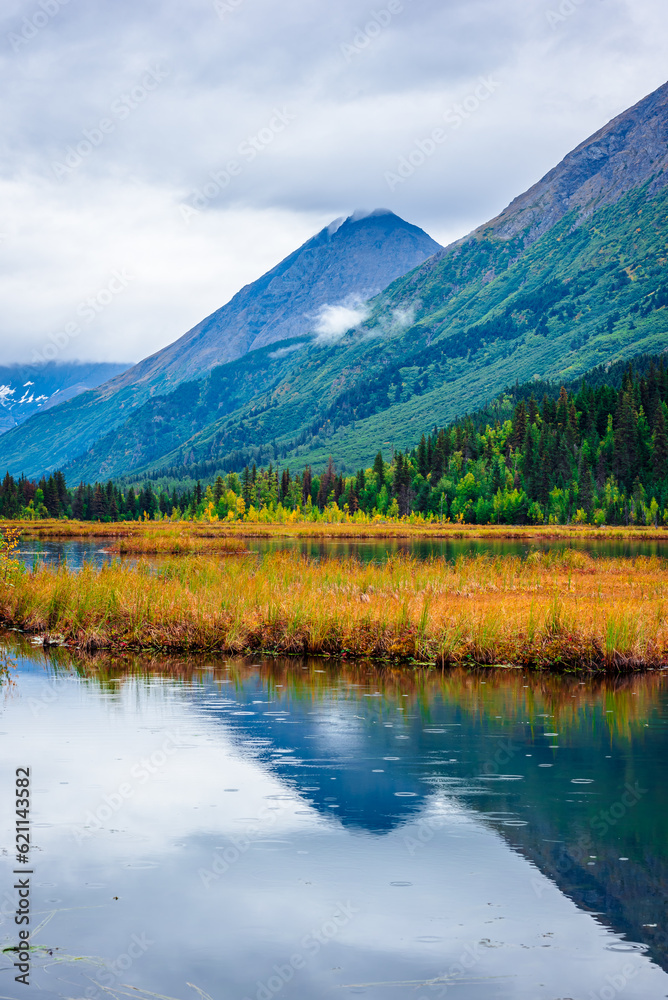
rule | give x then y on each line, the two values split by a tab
384	529
178	543
134	536
559	610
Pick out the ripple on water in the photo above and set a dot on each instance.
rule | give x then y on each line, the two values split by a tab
268	846
501	777
627	946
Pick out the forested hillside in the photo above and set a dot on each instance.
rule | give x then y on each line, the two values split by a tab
570	276
582	295
595	453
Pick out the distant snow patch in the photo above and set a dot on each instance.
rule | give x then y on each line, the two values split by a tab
6	392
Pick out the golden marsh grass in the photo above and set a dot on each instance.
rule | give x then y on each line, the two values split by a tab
557	610
384	529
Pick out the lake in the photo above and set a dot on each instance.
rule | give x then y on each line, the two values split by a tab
314	829
36	552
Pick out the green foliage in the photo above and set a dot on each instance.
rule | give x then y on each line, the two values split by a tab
595	453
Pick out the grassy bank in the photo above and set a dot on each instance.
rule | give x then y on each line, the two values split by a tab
178	543
557	610
399	529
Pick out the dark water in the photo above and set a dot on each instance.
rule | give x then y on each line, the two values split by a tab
35	552
314	830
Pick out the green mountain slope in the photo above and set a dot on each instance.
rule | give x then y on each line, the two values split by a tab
347	262
581	295
571	275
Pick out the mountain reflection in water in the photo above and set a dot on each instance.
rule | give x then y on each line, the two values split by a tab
450	811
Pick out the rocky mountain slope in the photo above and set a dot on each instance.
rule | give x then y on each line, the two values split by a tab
348	262
571	276
344	264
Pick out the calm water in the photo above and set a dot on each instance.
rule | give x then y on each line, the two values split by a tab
316	830
35	552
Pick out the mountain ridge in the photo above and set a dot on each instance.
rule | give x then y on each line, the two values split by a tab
27	388
249	323
371	249
570	277
578	183
487	310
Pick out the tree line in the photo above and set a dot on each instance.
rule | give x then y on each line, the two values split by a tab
593	454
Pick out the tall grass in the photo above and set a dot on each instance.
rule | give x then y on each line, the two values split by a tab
176	542
403	528
482	609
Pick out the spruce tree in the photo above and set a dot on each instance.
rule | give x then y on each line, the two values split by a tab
660	446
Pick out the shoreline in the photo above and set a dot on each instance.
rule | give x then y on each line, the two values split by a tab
556	611
60	530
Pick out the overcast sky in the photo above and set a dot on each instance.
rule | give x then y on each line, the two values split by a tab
156	155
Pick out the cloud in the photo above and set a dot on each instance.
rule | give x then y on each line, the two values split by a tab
357	95
283	352
404	316
334	322
397	322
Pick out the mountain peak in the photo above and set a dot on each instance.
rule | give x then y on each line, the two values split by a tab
357	256
362	215
629	151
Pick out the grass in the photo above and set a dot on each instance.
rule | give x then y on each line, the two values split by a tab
132	536
557	610
219	532
178	543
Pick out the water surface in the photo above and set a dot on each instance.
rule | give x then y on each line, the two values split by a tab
249	829
75	552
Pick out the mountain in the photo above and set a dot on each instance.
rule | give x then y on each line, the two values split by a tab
24	389
347	262
629	151
570	276
350	261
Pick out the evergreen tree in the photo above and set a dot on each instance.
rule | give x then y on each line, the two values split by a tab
99	505
379	469
519	423
660	445
422	460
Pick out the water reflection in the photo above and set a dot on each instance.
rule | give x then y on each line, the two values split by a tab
98	552
323	830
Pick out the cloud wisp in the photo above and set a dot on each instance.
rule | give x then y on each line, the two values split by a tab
335	321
